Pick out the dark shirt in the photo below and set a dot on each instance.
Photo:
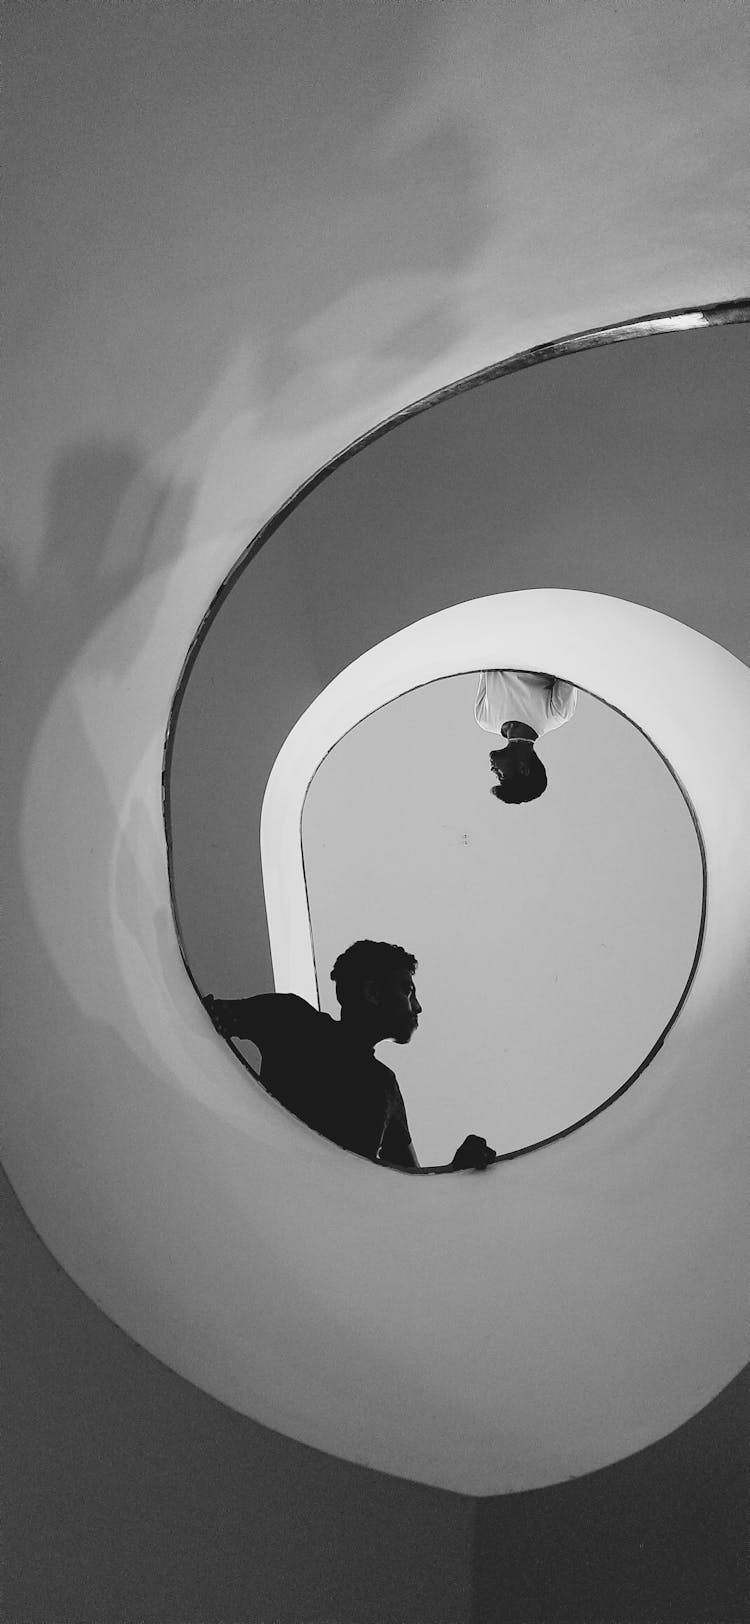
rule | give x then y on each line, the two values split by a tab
324	1076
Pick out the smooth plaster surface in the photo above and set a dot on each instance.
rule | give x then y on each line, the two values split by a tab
174	378
132	1495
133	1498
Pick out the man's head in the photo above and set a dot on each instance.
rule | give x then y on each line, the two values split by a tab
520	774
375	987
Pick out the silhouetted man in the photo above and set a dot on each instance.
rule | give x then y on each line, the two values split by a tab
519	705
325	1071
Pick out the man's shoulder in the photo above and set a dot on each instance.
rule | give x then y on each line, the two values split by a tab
289	1006
292	1000
283	1011
388	1079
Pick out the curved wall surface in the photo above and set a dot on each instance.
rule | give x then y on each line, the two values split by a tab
480	1334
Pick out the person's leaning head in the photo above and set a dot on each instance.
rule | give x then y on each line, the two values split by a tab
520	774
375	983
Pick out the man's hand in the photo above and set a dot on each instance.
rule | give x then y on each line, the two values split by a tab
213	1009
473	1153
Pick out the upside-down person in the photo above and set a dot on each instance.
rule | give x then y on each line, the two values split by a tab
519	705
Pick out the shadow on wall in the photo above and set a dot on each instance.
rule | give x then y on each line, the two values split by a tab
107	515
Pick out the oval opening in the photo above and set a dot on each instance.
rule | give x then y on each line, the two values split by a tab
555	939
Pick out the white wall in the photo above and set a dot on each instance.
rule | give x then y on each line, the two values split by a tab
233	246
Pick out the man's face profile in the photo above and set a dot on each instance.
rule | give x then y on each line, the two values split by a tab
399	1006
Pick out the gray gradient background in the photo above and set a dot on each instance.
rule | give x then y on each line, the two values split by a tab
214	218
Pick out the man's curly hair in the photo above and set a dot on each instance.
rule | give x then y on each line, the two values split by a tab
368	961
518	788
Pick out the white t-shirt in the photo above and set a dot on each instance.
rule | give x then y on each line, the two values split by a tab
543	702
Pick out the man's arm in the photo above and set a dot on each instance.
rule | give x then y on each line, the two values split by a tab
397	1150
241	1017
472	1156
